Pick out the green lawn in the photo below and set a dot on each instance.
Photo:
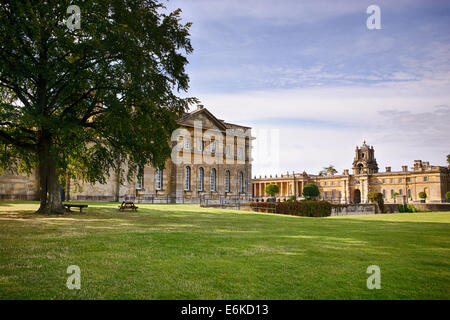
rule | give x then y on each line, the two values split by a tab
187	252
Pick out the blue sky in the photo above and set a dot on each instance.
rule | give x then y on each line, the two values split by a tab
313	76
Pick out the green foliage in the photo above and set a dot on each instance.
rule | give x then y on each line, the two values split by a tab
91	99
422	195
376	197
292	198
307	208
447	195
395	194
407	208
328	171
310	191
272	189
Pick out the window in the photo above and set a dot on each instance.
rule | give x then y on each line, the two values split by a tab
425	179
392	180
187	179
200	179
227	181
384	194
409	193
213	180
199	144
240	182
400	192
392	193
213	146
158	181
383	181
400	180
187	143
240	153
139	177
228	151
325	183
408	179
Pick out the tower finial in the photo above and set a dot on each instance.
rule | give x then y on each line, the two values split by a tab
364	142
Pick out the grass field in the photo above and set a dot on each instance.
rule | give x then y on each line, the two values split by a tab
187	252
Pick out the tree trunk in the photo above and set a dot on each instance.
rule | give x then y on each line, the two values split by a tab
49	187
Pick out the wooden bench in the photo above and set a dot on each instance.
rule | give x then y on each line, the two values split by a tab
80	206
127	205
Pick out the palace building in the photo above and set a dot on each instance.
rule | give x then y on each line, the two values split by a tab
211	158
396	186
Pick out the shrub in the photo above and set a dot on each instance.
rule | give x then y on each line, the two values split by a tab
272	189
310	191
447	195
292	198
407	208
376	197
307	208
422	195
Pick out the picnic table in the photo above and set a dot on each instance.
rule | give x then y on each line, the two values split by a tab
71	205
127	205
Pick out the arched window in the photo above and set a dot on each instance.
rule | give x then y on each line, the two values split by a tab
227	181
200	179
187	178
384	194
139	177
158	179
241	182
213	180
409	193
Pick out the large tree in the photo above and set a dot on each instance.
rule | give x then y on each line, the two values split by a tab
80	102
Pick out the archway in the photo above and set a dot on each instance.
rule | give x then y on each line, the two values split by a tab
357	196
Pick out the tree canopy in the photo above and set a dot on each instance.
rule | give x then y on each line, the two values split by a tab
272	189
310	191
328	171
81	102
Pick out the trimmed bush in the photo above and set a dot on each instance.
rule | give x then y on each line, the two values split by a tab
422	195
447	196
311	191
272	189
306	208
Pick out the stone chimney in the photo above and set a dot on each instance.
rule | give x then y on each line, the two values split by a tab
404	168
346	172
388	169
200	107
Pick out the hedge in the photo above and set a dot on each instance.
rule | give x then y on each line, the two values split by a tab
307	208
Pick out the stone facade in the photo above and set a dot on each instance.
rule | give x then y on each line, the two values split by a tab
365	177
214	154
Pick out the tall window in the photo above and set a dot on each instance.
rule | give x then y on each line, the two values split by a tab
199	144
158	180
240	153
384	194
213	180
200	179
187	179
187	143
240	182
139	177
227	181
213	146
409	193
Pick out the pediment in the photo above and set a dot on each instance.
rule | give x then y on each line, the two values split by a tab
208	120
